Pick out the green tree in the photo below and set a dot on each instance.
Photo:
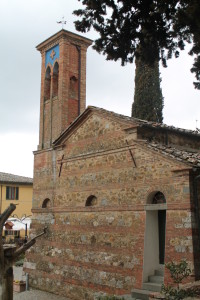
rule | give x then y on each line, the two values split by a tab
148	99
135	29
187	26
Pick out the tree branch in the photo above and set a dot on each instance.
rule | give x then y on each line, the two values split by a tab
5	215
26	246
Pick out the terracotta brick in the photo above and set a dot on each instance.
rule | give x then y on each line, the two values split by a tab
57	114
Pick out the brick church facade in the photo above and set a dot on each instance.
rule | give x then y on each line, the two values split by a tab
119	195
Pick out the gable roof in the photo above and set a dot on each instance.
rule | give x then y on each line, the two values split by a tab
130	120
10	178
147	124
186	155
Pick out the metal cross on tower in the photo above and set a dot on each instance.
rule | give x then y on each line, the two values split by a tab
63	22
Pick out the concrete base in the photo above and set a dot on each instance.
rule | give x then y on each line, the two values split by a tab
153	287
140	294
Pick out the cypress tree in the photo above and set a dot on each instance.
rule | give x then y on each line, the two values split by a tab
148	99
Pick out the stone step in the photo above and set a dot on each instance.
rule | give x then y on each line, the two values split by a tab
159	272
156	279
127	297
140	294
150	286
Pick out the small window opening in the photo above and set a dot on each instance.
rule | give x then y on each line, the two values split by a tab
55	80
46	203
47	84
93	240
91	201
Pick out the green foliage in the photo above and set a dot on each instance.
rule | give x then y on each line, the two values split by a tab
172	293
187	26
152	30
131	29
148	99
125	26
178	272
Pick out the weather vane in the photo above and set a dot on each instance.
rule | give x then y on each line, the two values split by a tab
63	22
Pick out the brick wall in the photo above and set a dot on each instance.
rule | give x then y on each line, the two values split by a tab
100	248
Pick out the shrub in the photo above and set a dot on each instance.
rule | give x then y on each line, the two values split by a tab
178	272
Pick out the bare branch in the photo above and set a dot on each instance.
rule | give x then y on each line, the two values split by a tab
26	246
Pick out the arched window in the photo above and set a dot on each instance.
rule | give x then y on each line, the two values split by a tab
55	80
46	203
156	197
47	84
159	198
91	201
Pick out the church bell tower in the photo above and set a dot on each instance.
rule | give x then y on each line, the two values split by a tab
63	83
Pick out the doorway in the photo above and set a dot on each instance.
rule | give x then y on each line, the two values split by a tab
161	232
155	233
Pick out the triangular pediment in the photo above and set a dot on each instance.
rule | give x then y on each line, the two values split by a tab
94	122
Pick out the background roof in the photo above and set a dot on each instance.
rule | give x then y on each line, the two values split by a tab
10	178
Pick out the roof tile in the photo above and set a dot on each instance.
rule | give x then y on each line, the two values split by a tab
10	178
190	157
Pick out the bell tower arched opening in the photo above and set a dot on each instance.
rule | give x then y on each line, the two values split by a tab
47	84
55	80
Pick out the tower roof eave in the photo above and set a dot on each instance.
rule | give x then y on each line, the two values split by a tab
63	33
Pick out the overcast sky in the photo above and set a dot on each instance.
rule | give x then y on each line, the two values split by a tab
26	23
